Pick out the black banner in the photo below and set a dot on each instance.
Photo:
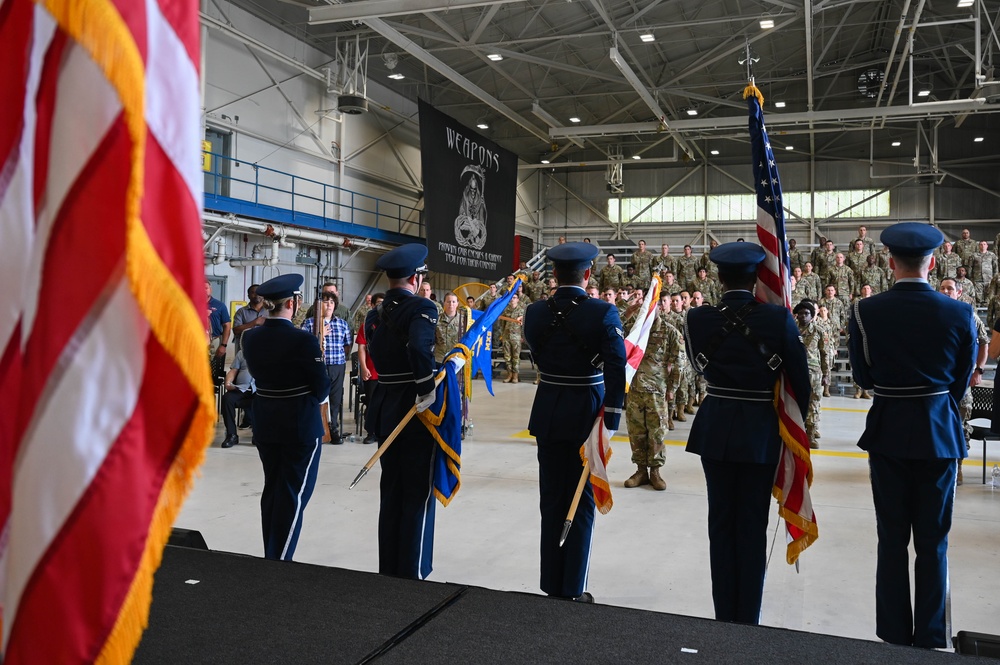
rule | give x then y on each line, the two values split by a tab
469	189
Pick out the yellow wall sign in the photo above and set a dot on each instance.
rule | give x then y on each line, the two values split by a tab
206	155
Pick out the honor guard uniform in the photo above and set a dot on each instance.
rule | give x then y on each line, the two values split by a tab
291	381
741	347
913	434
579	347
400	334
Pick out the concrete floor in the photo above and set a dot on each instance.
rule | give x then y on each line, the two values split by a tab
650	551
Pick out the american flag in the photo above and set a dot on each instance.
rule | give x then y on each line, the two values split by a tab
103	359
794	476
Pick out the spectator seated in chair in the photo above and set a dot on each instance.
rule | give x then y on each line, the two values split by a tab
239	386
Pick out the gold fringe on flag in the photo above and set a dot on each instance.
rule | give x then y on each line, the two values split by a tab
752	90
100	30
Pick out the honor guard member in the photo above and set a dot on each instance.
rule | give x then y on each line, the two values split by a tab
291	381
400	334
741	347
579	347
913	434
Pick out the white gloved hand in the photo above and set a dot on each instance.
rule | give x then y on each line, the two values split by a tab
611	434
424	401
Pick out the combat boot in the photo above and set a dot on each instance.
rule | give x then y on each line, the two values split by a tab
681	418
670	421
506	377
513	377
958	481
865	394
689	407
826	391
640	477
857	393
538	379
655	480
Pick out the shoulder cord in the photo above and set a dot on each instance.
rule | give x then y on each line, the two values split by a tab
735	322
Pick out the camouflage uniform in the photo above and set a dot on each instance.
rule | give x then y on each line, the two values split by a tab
643	261
671	288
969	292
843	278
965	249
359	316
687	268
709	289
646	412
817	343
992	300
795	258
983	265
447	334
512	339
857	263
611	277
813	286
662	264
838	315
947	265
874	277
831	352
534	289
822	264
965	404
800	293
869	247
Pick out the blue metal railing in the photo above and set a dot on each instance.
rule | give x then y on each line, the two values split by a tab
296	200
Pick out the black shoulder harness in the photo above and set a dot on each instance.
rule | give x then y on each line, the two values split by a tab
559	319
735	322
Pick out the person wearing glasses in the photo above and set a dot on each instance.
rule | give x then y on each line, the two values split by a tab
291	383
400	334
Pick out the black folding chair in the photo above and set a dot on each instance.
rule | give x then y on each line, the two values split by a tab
982	411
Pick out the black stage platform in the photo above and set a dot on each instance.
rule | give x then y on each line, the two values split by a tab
216	607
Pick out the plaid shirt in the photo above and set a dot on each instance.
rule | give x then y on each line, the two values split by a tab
338	336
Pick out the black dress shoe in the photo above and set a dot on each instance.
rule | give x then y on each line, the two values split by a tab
336	440
230	441
585	597
371	438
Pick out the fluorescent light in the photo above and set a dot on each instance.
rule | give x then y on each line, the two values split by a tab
788	147
978	139
965	3
692	111
483	125
896	144
574	119
648	37
779	105
923	93
766	23
544	160
714	152
396	77
495	57
636	156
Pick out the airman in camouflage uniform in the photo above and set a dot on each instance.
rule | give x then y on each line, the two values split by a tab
642	261
837	309
868	243
798	290
670	285
359	316
816	342
992	301
841	276
874	276
512	338
967	290
682	378
823	261
856	261
664	262
646	412
794	255
535	287
946	265
965	247
710	268
822	320
449	328
983	265
812	283
612	275
709	287
687	266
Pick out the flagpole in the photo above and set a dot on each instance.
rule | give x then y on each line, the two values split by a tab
459	362
568	524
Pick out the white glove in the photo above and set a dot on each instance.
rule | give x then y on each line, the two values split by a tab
424	401
611	434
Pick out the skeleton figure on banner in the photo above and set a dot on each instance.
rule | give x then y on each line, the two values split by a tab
470	225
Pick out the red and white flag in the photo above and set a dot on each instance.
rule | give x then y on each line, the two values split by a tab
794	474
597	448
103	362
638	336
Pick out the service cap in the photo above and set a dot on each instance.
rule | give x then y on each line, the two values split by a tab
737	257
278	288
403	261
573	255
912	239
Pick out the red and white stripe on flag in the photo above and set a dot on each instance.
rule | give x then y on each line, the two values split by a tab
103	365
597	451
638	336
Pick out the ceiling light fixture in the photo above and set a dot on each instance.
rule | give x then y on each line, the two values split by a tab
545	160
396	77
896	144
766	23
923	93
647	37
714	152
965	3
692	111
779	105
636	156
978	139
789	147
495	57
483	125
574	119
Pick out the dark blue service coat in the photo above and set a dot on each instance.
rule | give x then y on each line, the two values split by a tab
291	381
916	348
567	401
400	334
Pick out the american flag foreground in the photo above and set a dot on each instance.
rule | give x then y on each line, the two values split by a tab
794	476
103	363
